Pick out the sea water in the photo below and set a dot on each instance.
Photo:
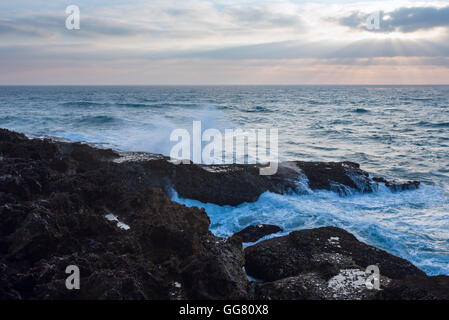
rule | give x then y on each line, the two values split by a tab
399	132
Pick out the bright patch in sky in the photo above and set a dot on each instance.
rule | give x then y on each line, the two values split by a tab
224	42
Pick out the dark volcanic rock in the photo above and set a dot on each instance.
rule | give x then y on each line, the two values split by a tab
235	184
54	199
218	270
292	288
67	204
231	184
348	285
417	288
254	233
335	176
325	251
329	263
398	186
220	184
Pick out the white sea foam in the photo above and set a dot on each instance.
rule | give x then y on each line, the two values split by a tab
409	224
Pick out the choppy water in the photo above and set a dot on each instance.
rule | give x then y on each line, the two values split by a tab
398	132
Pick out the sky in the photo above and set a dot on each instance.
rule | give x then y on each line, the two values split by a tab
224	42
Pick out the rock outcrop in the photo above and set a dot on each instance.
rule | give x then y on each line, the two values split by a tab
254	233
110	214
330	263
238	183
325	250
235	184
54	200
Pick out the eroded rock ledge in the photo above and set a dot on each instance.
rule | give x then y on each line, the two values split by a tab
330	263
235	184
56	204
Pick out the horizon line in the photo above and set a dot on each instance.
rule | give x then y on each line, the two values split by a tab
216	85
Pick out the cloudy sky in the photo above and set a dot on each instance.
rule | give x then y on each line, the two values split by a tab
225	42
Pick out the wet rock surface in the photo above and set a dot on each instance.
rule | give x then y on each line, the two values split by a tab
324	250
398	186
235	184
349	284
330	263
417	288
54	200
254	233
110	214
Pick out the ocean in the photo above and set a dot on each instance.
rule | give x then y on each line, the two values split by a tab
399	132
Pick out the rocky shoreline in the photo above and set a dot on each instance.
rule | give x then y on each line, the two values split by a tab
111	215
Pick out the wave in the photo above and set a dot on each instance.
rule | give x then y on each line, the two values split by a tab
360	110
315	102
433	124
98	120
10	118
388	220
83	104
422	99
125	105
258	109
153	105
134	105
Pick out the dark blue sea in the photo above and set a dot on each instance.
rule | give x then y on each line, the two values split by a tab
399	132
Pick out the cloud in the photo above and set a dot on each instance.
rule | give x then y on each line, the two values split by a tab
197	21
363	52
45	26
372	48
219	41
29	26
402	19
261	17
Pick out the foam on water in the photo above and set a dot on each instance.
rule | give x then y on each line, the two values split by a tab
409	224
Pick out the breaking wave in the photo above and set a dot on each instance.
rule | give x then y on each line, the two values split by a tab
407	224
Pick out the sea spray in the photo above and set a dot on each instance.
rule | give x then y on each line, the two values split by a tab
392	221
